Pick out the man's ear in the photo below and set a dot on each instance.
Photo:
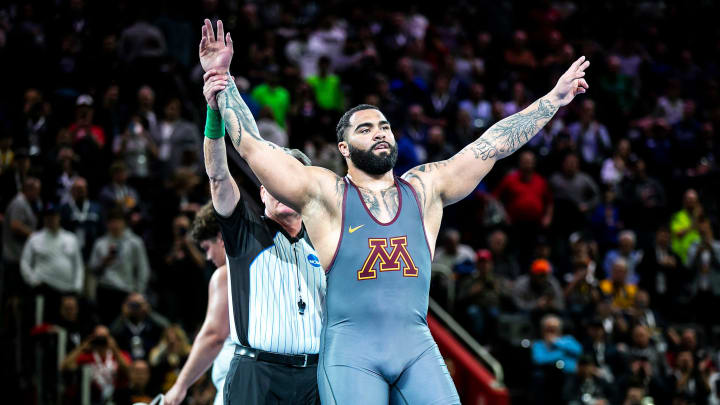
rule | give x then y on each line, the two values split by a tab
344	148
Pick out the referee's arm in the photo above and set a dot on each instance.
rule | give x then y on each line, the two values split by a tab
224	190
209	340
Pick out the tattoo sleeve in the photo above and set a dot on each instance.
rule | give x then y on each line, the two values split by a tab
236	114
508	135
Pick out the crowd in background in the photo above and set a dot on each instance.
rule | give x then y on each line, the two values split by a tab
588	262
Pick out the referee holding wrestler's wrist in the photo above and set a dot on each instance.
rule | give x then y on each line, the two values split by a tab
276	286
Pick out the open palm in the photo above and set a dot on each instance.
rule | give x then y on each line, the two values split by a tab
215	52
571	83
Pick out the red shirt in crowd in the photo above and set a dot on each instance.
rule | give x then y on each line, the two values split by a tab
94	131
524	201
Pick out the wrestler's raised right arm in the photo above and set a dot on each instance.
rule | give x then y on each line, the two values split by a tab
286	178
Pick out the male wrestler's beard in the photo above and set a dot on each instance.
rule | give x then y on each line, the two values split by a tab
370	163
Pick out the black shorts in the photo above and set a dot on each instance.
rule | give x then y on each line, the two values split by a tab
251	382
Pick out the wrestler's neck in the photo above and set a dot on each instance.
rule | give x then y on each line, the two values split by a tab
291	223
369	181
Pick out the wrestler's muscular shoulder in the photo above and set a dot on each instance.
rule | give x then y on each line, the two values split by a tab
322	214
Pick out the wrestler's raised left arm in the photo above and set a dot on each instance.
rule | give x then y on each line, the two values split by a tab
451	180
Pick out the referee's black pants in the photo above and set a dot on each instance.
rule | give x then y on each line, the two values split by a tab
251	382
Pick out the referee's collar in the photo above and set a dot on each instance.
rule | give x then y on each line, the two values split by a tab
272	224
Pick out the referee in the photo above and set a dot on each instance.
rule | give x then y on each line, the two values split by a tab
276	286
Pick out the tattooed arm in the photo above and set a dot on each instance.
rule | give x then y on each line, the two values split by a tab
287	179
451	180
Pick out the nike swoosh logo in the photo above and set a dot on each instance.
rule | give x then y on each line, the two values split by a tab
351	229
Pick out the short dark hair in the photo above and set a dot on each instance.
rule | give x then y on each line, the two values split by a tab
205	226
344	122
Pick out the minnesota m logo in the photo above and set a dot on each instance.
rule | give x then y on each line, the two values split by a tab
388	262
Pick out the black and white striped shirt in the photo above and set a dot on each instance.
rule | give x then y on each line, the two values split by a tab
265	268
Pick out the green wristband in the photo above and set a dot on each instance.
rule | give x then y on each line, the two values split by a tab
214	124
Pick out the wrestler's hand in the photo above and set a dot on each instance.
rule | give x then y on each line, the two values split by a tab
175	395
215	52
571	83
214	83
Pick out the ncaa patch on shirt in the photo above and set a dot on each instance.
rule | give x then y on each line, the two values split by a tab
313	260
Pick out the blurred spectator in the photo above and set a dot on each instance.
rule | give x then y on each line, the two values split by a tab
19	223
272	94
441	105
73	321
581	292
576	193
528	201
416	130
327	87
108	364
82	216
136	148
604	354
52	263
437	147
168	357
586	387
670	106
615	167
642	386
617	89
13	177
141	41
409	151
118	194
83	130
120	263
519	57
590	136
62	180
478	298
478	108
138	328
617	287
7	155
686	135
642	314
684	225
178	140
538	292
643	348
605	220
553	357
146	110
408	86
453	254
689	380
138	389
36	134
520	99
626	250
704	267
505	263
661	272
269	129
180	277
643	201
